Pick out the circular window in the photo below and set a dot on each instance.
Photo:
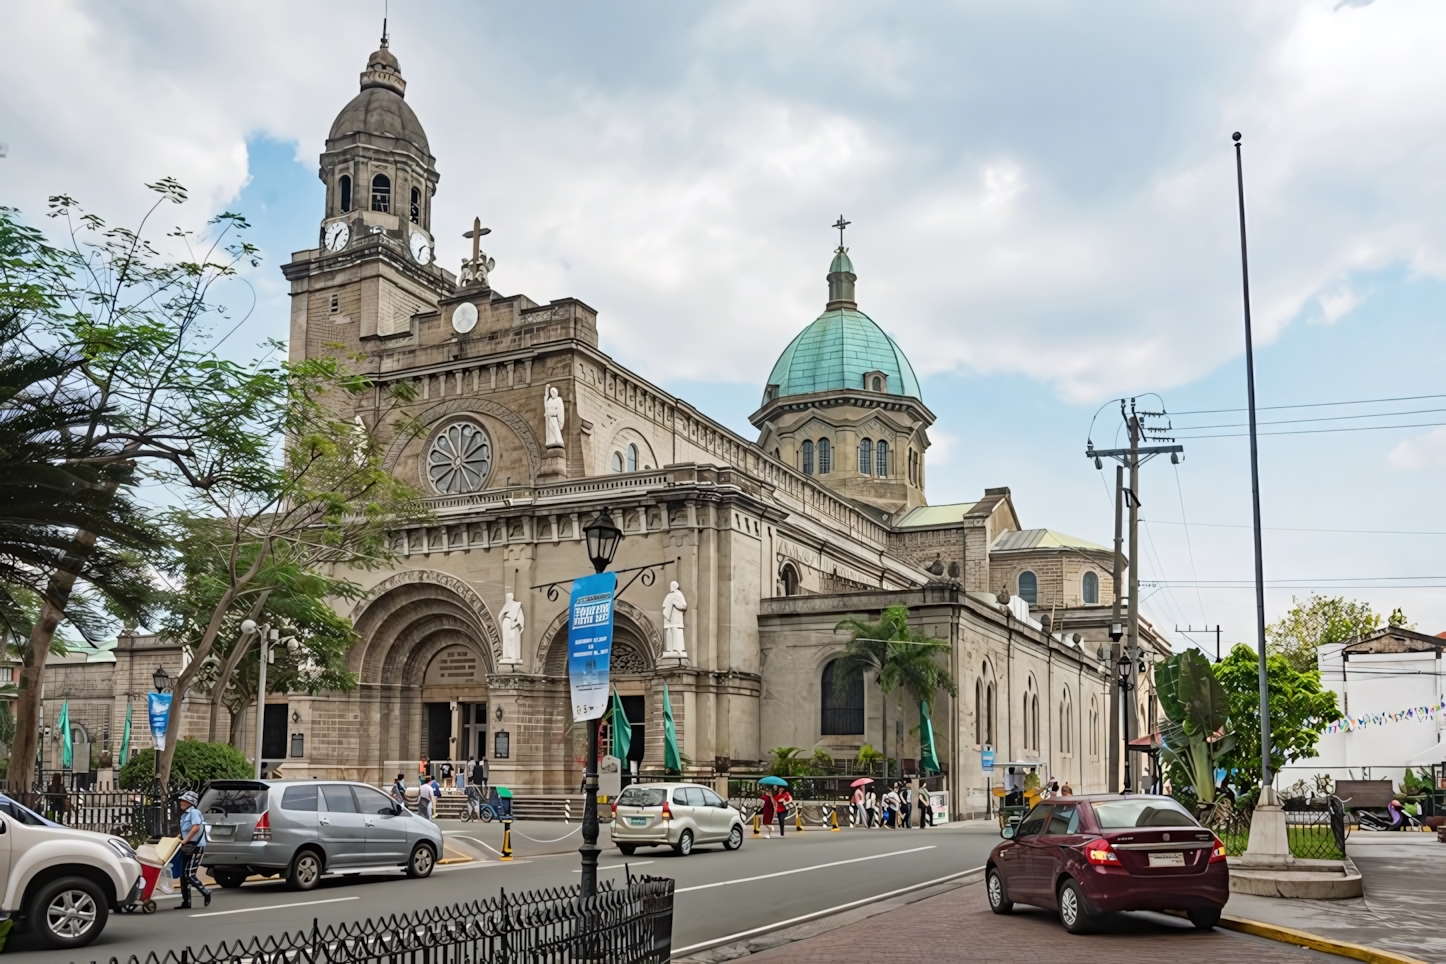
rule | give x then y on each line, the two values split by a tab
459	458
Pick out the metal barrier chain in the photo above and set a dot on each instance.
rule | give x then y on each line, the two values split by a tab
535	840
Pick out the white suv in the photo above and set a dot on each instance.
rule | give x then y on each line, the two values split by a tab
676	815
62	883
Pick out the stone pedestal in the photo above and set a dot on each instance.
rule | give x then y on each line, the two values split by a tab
554	464
672	660
1268	840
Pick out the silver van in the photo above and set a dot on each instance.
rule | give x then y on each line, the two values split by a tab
305	828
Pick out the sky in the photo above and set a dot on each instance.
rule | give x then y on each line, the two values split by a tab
1043	208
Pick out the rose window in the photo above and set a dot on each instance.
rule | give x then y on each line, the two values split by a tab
459	459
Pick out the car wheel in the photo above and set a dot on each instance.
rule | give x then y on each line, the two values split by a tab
69	912
628	849
1204	918
421	862
305	870
1073	913
228	879
684	846
735	838
999	901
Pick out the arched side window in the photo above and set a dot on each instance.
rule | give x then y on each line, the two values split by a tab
989	713
1094	727
790	580
843	715
825	456
1090	588
807	458
1024	722
878	385
866	457
416	208
632	458
1066	722
343	187
881	458
1034	719
1029	587
617	461
381	193
979	711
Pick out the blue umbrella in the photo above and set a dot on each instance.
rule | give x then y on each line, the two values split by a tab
773	782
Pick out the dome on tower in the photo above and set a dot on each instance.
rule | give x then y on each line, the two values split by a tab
842	349
380	110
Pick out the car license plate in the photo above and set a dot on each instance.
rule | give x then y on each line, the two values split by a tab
1167	860
638	821
222	830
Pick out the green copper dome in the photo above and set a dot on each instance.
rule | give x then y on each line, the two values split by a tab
841	348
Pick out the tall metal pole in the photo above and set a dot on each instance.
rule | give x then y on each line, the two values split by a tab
1117	631
1265	775
264	632
1132	648
589	848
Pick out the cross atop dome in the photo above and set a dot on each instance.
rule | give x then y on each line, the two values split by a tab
841	224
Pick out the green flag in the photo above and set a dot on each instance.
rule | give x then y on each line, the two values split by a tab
672	761
64	725
928	758
126	736
622	728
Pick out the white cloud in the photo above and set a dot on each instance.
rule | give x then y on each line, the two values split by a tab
1421	451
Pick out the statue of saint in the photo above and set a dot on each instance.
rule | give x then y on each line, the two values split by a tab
513	622
554	415
673	606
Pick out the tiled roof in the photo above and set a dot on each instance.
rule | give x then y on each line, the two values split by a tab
1041	539
934	515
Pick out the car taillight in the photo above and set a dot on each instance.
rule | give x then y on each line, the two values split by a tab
263	828
1100	853
615	809
1217	853
667	811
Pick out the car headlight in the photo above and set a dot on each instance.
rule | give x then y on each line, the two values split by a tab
121	847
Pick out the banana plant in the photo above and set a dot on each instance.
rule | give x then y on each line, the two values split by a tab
1196	735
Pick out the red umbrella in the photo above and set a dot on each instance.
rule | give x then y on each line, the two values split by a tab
861	781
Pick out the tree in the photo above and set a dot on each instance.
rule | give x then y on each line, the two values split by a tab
1299	708
322	501
195	762
1317	621
896	655
1195	704
136	388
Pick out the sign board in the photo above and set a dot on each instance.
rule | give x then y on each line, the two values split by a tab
610	777
986	759
590	643
159	705
939	803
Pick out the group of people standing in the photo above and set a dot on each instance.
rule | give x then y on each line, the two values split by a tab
429	787
893	810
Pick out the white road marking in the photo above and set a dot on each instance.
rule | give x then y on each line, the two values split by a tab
248	910
822	913
803	870
476	841
637	863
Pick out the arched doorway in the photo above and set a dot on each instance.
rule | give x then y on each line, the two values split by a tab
634	657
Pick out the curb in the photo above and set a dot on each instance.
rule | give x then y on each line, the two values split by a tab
1315	942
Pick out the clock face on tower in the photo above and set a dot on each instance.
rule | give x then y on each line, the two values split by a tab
337	235
421	250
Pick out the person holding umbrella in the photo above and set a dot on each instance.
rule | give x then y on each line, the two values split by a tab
859	814
775	803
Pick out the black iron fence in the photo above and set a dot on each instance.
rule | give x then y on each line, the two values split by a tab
1316	829
134	814
632	924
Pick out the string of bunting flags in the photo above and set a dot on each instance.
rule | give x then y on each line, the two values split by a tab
1380	719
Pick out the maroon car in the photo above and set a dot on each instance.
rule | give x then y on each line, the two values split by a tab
1093	855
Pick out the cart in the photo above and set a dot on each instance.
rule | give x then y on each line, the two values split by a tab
145	901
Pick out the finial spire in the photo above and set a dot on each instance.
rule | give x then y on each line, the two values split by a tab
841	224
385	11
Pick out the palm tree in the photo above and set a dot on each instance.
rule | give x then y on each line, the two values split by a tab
896	656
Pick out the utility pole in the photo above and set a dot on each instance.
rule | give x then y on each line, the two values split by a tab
1117	629
1132	643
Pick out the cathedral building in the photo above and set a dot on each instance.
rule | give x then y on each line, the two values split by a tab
531	429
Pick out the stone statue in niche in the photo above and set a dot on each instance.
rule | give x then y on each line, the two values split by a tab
554	417
673	606
513	622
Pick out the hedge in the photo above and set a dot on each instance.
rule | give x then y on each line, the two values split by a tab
194	762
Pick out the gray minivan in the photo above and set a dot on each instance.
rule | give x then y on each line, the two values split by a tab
305	828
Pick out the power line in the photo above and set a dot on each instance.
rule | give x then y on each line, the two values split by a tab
1180	491
1266	408
1363	532
1323	418
1319	431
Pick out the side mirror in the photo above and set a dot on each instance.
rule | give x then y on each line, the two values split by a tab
1007	833
398	809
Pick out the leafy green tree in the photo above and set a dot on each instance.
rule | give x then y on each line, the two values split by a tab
1317	621
1299	709
1196	709
194	762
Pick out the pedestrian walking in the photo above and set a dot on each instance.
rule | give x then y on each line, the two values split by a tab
399	791
423	766
768	811
781	801
1066	790
193	846
479	776
462	772
906	808
926	809
856	808
446	773
891	807
871	808
424	798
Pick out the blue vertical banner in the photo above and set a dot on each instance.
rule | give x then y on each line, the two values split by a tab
590	643
159	705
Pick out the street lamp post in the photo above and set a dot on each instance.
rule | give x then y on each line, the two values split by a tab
602	544
160	679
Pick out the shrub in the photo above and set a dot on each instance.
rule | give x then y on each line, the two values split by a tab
195	762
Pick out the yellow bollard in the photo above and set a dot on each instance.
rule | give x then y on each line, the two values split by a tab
798	817
506	839
833	819
757	824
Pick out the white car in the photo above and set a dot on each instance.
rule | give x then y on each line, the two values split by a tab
62	883
676	815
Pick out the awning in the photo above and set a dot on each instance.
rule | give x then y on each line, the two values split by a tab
1145	744
1437	754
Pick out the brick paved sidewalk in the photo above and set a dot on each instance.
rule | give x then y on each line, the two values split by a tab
958	926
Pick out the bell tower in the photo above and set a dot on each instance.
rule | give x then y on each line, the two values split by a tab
373	269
